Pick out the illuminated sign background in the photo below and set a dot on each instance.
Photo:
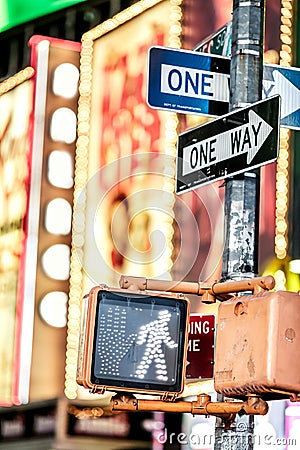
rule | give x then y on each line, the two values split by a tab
56	63
122	166
16	96
35	184
123	140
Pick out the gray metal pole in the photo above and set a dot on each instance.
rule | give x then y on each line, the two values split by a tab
240	257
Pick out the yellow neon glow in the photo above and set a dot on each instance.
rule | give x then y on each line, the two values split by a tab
282	175
16	79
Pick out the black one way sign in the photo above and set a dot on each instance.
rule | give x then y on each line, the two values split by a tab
237	142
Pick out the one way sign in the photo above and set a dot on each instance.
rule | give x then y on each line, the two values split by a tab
198	83
237	142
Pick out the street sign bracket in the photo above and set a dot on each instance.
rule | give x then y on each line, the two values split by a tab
241	121
202	406
210	292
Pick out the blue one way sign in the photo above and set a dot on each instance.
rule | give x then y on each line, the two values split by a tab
198	83
188	82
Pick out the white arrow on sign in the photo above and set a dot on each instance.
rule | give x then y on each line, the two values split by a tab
247	138
287	90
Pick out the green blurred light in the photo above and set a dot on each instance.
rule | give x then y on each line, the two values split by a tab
17	12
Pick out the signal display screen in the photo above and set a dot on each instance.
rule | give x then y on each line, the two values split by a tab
139	342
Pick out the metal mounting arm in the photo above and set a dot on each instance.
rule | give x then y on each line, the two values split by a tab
202	406
210	292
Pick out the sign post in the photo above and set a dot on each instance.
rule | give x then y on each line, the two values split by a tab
240	256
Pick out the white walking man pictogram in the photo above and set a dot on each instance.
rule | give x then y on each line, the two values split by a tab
155	335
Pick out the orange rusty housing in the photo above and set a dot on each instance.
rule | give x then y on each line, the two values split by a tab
258	346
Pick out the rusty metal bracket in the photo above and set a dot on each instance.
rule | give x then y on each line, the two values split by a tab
210	292
202	406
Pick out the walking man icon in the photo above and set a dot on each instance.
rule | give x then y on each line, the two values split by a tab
155	335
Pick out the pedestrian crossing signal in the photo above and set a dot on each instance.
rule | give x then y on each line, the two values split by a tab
133	341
